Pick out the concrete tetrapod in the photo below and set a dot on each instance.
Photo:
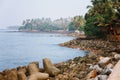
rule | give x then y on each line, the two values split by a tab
39	76
21	73
50	68
33	70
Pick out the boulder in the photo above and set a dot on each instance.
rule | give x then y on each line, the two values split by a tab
101	77
110	65
117	56
50	68
108	69
115	75
39	76
97	67
104	60
92	74
92	55
33	68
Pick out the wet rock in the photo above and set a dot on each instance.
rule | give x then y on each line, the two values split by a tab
115	75
50	68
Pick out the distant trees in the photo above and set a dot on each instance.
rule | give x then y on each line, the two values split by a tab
77	23
45	24
71	26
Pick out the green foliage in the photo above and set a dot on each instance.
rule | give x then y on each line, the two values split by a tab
77	24
81	28
45	24
78	21
91	29
101	15
71	26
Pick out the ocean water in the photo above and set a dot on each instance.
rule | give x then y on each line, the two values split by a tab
21	48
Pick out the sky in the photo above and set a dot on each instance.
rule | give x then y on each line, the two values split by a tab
13	12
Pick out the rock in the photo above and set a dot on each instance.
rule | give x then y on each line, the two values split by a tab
115	75
101	77
92	74
117	56
100	58
33	68
110	65
71	66
39	76
108	69
50	68
96	67
92	55
75	78
104	60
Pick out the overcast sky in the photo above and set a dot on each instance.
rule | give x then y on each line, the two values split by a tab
13	12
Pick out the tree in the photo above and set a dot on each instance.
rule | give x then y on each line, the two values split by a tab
78	21
104	14
45	24
71	26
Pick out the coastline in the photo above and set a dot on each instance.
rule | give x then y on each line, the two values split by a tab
89	67
103	56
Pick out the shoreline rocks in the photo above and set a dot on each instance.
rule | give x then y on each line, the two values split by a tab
98	64
103	56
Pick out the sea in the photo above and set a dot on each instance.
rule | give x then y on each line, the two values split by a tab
21	48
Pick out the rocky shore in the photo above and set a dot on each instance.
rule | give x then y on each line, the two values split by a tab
100	63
